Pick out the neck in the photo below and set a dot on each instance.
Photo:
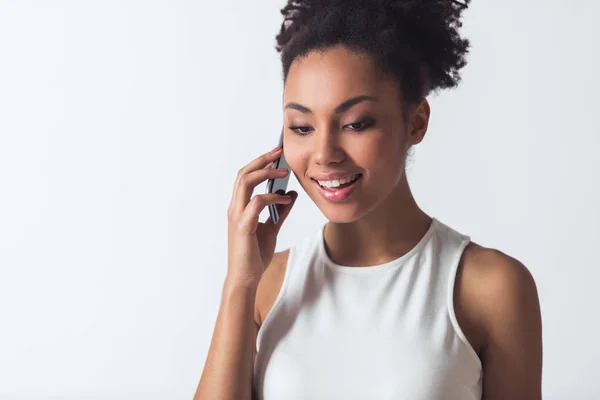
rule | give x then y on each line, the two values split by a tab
384	234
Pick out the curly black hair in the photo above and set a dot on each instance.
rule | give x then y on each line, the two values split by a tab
415	40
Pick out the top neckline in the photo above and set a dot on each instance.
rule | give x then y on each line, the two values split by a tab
370	269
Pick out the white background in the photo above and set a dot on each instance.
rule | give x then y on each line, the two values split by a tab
123	124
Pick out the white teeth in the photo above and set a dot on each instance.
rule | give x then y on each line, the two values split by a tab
338	182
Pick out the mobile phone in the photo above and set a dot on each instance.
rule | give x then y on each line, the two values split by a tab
278	185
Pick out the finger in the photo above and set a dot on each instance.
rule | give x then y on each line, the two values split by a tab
265	161
249	182
248	221
284	211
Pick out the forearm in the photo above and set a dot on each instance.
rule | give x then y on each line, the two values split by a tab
227	372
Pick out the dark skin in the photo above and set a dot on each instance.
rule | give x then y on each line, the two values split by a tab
495	299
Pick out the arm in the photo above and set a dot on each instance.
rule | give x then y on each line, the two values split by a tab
227	372
510	313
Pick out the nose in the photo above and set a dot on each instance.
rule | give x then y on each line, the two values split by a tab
326	147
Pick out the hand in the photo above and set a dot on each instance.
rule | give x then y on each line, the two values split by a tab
251	243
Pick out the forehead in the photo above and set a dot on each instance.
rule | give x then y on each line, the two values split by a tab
334	75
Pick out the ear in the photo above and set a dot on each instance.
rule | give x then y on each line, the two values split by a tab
419	121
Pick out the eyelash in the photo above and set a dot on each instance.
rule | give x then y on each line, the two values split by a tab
367	123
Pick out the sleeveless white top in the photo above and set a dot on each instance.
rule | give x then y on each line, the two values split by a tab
381	332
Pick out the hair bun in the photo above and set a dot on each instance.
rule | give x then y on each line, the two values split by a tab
418	40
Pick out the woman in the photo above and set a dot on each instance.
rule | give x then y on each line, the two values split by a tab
384	301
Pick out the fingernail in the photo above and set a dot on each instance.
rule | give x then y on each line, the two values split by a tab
276	149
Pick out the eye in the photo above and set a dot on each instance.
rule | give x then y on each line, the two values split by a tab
362	125
356	126
295	129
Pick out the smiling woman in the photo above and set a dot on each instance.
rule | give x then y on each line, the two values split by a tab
383	301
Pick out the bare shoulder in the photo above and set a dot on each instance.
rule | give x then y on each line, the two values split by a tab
494	291
495	277
269	285
498	300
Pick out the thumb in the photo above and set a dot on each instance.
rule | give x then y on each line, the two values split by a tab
284	211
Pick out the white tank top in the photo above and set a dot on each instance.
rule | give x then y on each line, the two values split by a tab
381	332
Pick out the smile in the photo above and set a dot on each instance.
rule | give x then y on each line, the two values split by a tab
335	191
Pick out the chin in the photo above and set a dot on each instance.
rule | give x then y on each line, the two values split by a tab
341	214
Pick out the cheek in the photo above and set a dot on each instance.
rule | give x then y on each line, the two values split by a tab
294	159
382	153
386	165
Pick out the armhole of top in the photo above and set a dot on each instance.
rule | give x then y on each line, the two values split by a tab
451	312
277	301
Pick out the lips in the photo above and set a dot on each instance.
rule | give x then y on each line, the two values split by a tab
340	193
333	176
348	179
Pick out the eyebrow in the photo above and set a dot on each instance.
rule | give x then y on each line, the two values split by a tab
339	109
